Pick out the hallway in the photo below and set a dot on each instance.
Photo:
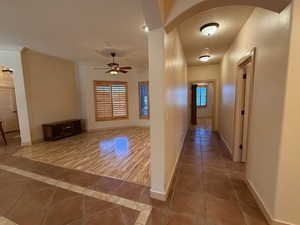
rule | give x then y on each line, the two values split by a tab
209	189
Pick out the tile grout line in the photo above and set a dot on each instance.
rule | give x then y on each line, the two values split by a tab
144	209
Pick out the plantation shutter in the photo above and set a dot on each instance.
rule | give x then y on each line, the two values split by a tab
111	100
103	101
119	100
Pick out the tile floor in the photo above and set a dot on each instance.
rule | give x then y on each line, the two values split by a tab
208	189
205	123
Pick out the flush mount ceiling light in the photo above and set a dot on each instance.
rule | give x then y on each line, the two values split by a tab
204	58
209	29
7	70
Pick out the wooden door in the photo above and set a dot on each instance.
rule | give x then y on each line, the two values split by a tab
194	105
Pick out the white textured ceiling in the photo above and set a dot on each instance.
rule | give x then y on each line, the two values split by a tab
230	18
74	29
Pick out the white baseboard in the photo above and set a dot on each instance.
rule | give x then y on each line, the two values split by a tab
263	208
280	222
26	144
225	143
260	202
162	196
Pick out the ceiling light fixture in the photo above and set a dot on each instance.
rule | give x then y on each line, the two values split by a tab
113	72
204	58
7	71
145	28
209	29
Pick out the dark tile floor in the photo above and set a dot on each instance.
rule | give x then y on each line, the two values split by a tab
209	189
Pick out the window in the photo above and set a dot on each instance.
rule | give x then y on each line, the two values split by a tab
144	99
201	96
111	100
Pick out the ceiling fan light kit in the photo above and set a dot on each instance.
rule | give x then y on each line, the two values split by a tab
115	68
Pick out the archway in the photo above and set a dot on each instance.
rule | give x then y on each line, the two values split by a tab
184	10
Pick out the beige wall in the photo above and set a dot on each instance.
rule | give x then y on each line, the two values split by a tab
206	72
157	111
176	121
269	33
87	75
51	90
168	88
288	197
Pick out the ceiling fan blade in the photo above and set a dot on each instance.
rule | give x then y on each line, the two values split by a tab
123	71
125	68
101	68
112	64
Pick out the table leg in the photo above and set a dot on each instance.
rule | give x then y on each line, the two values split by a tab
3	134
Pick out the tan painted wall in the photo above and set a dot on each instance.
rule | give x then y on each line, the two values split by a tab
51	90
206	72
288	197
156	54
168	89
269	33
176	121
86	77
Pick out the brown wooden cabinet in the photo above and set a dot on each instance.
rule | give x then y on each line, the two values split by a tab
61	129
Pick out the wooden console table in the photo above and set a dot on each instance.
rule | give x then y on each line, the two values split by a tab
62	129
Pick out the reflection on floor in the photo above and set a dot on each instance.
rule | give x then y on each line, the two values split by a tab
119	153
208	189
204	123
13	142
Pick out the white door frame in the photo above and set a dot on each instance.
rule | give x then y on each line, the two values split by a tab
243	102
13	60
215	106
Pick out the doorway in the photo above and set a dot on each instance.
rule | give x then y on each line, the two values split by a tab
244	92
8	109
203	98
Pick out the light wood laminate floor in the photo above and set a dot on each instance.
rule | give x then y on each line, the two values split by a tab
119	153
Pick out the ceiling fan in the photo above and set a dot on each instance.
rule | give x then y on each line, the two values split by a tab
113	67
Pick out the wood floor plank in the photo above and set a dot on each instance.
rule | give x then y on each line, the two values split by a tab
119	153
